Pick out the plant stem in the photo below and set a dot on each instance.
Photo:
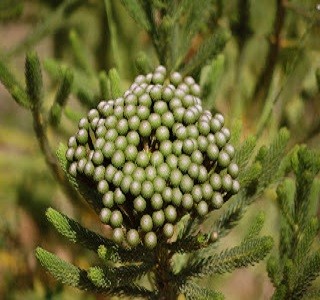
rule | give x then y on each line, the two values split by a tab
39	128
163	278
265	79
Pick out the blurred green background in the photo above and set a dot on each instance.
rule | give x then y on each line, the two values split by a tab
112	39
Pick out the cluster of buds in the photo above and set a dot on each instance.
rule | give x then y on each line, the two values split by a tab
154	155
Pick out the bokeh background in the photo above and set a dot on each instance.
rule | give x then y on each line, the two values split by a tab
112	39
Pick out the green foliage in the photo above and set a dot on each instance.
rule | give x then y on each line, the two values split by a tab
14	88
61	97
298	265
256	62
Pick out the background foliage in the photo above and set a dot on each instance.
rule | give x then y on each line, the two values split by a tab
266	77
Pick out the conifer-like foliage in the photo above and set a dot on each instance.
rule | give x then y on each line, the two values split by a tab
153	156
296	266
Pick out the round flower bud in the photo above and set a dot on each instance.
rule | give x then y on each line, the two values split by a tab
202	143
89	169
100	142
193	170
133	238
110	172
175	78
186	184
188	146
108	149
70	154
158	218
161	69
145	100
139	204
176	197
207	191
99	173
175	177
166	147
139	174
215	125
93	113
101	131
105	215
226	133
233	170
82	136
150	240
146	223
197	157
167	119
220	139
235	187
202	208
168	230
145	128
155	93
142	159
158	78
203	174
118	235
227	182
163	171
216	200
160	107
215	181
195	90
131	152
223	159
131	99
122	127
125	183
196	193
128	168
170	213
117	178
212	152
175	103
172	161
118	158
111	135
162	133
147	189
73	169
134	123
129	111
156	158
159	184
184	162
193	131
135	188
108	199
81	164
177	147
143	112
116	219
72	142
119	196
151	173
97	157
167	194
111	122
228	148
187	201
156	201
154	120
84	123
121	143
133	138
167	94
